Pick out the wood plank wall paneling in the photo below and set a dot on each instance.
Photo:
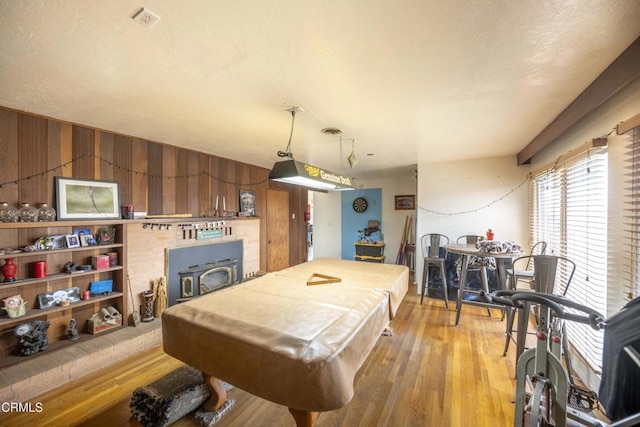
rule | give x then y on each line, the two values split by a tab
192	181
169	168
155	182
188	181
54	153
204	186
122	161
66	150
107	144
182	182
32	160
139	173
82	152
9	147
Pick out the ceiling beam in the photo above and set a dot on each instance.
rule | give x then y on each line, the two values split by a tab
624	70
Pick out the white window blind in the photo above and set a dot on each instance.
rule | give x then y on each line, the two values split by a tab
569	212
631	231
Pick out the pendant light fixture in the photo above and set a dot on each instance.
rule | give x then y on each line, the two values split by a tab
294	172
352	157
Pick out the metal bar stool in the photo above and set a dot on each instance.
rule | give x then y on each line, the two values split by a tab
431	245
475	265
546	271
522	268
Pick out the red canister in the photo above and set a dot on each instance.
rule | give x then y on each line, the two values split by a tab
86	295
127	212
40	269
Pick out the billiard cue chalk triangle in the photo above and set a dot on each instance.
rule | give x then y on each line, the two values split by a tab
322	279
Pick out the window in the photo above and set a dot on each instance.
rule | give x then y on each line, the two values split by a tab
568	210
631	231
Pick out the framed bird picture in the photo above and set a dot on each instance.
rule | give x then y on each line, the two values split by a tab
86	199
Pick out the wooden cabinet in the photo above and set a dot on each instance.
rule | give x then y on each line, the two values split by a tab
18	235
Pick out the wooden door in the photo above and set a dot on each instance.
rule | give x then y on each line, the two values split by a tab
277	230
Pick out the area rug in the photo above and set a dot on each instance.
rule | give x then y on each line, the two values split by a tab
171	397
208	419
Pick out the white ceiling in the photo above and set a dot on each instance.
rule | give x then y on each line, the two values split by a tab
410	81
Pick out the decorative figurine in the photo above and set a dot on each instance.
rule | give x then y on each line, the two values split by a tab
72	333
160	296
15	306
33	338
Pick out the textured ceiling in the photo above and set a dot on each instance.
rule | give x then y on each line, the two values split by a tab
410	81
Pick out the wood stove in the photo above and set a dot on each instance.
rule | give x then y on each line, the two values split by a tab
201	279
196	270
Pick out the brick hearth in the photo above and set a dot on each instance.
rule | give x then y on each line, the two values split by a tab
45	372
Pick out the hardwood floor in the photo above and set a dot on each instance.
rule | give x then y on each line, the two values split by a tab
429	373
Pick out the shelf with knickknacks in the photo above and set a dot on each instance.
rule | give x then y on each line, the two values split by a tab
45	271
27	213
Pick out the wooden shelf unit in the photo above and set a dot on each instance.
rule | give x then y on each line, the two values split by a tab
17	236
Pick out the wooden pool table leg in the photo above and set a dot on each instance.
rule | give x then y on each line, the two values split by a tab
218	393
304	418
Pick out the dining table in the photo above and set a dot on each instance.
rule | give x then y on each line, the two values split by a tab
502	251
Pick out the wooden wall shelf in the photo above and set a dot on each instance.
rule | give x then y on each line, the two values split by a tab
20	234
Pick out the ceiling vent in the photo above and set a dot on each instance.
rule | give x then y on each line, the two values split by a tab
331	131
145	17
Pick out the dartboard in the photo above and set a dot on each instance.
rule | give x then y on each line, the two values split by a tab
360	204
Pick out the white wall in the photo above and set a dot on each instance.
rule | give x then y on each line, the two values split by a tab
471	196
327	223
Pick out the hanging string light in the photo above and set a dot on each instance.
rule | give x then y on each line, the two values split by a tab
58	169
527	178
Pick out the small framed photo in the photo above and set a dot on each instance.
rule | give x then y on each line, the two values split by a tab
72	241
81	231
405	202
87	240
106	236
247	203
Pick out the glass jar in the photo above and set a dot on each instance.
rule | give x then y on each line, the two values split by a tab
46	213
28	213
8	213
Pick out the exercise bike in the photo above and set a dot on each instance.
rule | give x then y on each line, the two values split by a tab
543	385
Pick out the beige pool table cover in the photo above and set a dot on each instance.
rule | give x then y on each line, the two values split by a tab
279	339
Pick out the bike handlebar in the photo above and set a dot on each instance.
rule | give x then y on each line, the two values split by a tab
556	303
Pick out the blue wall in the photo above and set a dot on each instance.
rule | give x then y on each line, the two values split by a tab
353	221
